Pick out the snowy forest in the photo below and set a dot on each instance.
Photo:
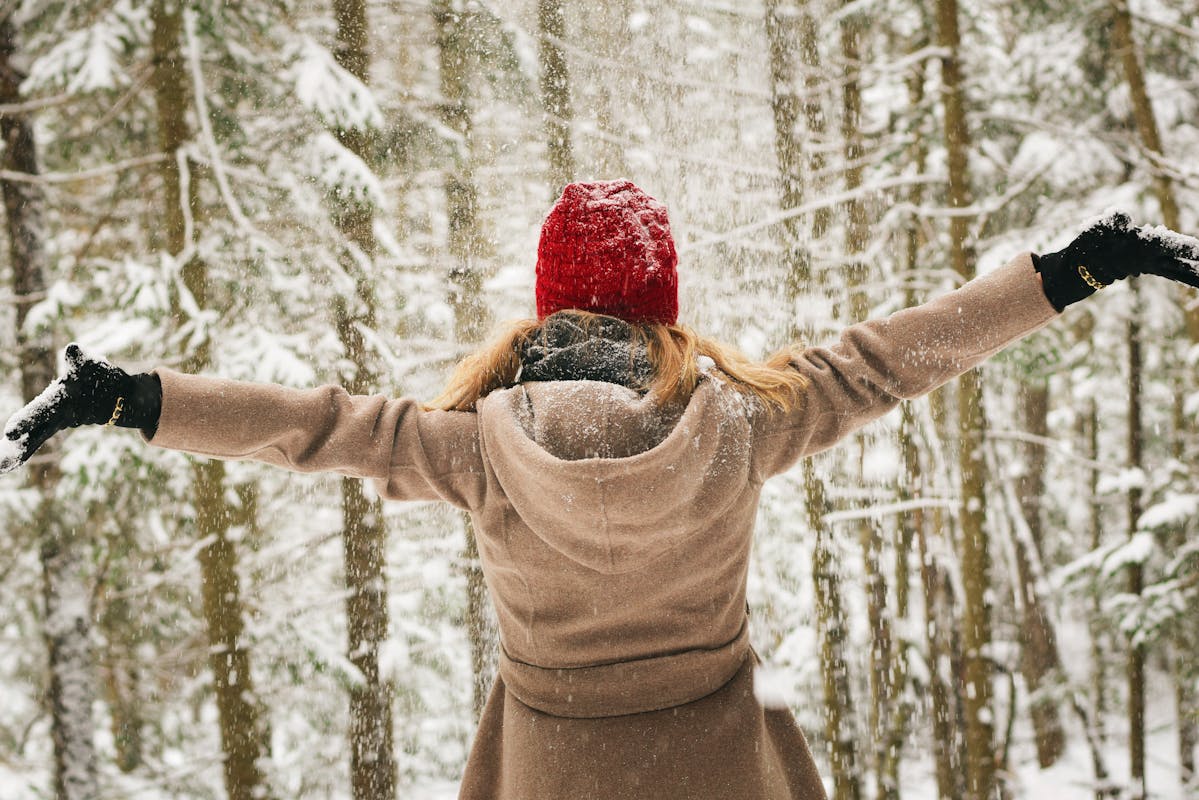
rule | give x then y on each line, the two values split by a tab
993	592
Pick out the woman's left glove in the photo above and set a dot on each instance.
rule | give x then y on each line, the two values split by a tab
1112	249
92	392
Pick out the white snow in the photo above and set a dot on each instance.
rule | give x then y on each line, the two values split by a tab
338	97
82	61
771	687
1186	246
345	174
1135	551
1171	511
10	452
49	397
1123	481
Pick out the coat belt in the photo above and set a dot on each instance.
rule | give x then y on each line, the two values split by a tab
625	687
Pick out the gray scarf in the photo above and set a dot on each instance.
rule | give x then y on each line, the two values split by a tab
564	351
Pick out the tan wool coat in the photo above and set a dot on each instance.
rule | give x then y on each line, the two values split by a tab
615	539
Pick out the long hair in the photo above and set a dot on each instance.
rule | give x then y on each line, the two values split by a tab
673	351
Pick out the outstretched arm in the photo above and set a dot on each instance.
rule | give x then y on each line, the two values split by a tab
412	454
876	364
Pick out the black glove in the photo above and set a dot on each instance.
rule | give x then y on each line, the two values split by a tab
1112	249
91	392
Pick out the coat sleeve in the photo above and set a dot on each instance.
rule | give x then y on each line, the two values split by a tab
410	453
876	364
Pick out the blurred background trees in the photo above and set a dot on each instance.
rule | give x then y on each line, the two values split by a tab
990	592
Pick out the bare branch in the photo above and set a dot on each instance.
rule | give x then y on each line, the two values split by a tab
83	175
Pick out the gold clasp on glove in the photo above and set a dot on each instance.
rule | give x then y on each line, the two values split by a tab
1086	275
116	412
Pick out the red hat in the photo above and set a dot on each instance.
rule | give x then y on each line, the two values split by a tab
606	247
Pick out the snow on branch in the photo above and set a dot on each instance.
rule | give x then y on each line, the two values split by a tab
88	60
1058	447
825	201
887	509
332	92
1175	510
218	167
83	174
344	174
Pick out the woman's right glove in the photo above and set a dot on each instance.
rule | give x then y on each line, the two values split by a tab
1112	249
92	392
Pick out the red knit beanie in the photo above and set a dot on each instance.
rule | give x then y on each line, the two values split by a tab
606	247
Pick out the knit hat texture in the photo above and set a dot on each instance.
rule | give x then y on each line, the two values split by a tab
606	247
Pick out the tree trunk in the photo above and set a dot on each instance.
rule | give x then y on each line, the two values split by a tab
1184	640
883	664
364	535
1146	121
607	27
839	735
946	735
466	298
555	92
1163	188
1039	660
1186	705
241	734
782	36
242	738
1136	579
62	550
1095	529
782	33
972	428
813	108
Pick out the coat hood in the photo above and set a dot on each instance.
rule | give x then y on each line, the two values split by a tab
605	476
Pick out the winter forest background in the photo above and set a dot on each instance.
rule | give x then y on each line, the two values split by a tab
992	592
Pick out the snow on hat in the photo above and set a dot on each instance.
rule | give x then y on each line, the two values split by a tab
606	247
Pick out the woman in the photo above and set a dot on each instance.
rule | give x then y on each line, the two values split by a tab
612	463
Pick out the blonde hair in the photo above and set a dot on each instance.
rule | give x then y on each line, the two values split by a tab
673	352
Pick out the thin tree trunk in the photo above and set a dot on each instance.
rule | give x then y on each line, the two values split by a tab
782	34
945	734
884	755
1186	704
607	25
1184	640
1039	660
813	108
67	624
831	627
1146	122
555	92
364	534
242	739
1136	580
972	427
466	298
122	681
1095	528
1124	46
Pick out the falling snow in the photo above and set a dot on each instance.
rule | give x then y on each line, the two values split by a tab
678	97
